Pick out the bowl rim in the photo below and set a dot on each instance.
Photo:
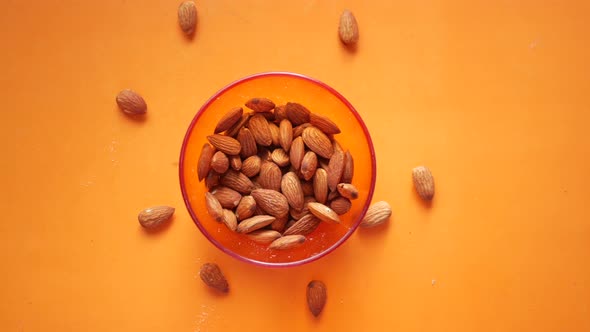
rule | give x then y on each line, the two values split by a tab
328	250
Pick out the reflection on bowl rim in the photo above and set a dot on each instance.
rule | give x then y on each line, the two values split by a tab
236	255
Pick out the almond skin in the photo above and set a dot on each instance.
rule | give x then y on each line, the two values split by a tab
235	162
348	171
228	120
211	275
187	17
260	104
280	157
251	166
228	198
237	181
377	214
324	124
348	190
291	188
317	142
348	28
297	153
335	169
225	144
297	131
254	223
309	165
307	187
280	113
297	113
131	102
423	182
155	216
247	142
264	236
230	220
274	133
316	296
270	176
212	179
246	208
258	125
320	185
214	207
323	212
219	162
285	134
233	131
305	225
204	163
271	201
280	223
340	205
287	242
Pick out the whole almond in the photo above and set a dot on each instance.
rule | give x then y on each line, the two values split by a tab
423	182
254	223
280	157
316	296
324	124
235	162
229	119
251	166
287	242
237	181
219	162
348	28
285	134
307	187
248	143
305	225
155	216
280	223
270	176
214	207
271	201
212	179
211	275
204	163
280	113
377	214
335	170
348	171
298	214
318	142
187	17
340	205
297	131
309	165
348	190
297	153
297	113
225	144
230	220
320	185
264	236
323	212
291	188
246	208
131	102
233	131
260	104
228	198
258	125
274	133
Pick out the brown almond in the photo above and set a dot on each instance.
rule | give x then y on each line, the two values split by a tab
204	163
333	195
291	188
228	120
270	176
324	124
297	131
290	223
279	224
340	205
248	143
348	190
287	242
323	212
258	125
131	102
264	236
297	153
298	214
225	144
237	181
155	216
260	105
212	179
280	113
230	220
264	153
211	275
335	169
219	162
271	201
377	214
187	17
423	182
254	223
348	171
316	296
307	188
235	162
228	198
348	28
317	142
285	134
246	208
280	157
320	185
309	165
337	146
305	225
274	133
251	166
297	113
233	131
214	207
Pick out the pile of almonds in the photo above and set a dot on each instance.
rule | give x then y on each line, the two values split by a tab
276	173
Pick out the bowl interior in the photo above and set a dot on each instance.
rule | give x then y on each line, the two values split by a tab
281	88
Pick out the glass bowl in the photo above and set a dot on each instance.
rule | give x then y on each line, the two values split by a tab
281	87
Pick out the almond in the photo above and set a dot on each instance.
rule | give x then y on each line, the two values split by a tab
333	195
320	185
348	28
251	166
211	275
309	165
286	134
337	146
377	214
305	225
187	17
280	113
230	220
270	176
287	242
340	205
260	104
225	144
297	131
228	120
297	113
248	143
324	124
259	127
271	201
204	163
254	223
228	198
348	171
280	157
264	154
291	188
297	152
279	224
155	216
318	142
235	162
212	179
219	162
307	188
264	236
316	296
274	133
131	102
323	212
423	182
298	214
335	169
348	190
214	207
237	181
246	208
233	131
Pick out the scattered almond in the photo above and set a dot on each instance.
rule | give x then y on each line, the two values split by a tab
304	226
285	134
230	220
264	236
320	185
187	17
270	176
348	171
297	153
348	190
324	124
340	205
131	102
258	125
237	181
423	182
297	113
228	120
228	198
377	214
214	207
247	142
291	188
318	142
335	170
211	275
225	144
280	157
155	216
271	201
287	242
309	165
251	166
235	162
246	208
323	212
260	104
254	223
348	28
316	296
274	133
204	163
219	162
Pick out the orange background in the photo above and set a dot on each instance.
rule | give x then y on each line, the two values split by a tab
492	96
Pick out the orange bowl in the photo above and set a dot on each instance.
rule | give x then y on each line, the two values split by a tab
281	88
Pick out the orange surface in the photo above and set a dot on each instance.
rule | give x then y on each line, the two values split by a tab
492	96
